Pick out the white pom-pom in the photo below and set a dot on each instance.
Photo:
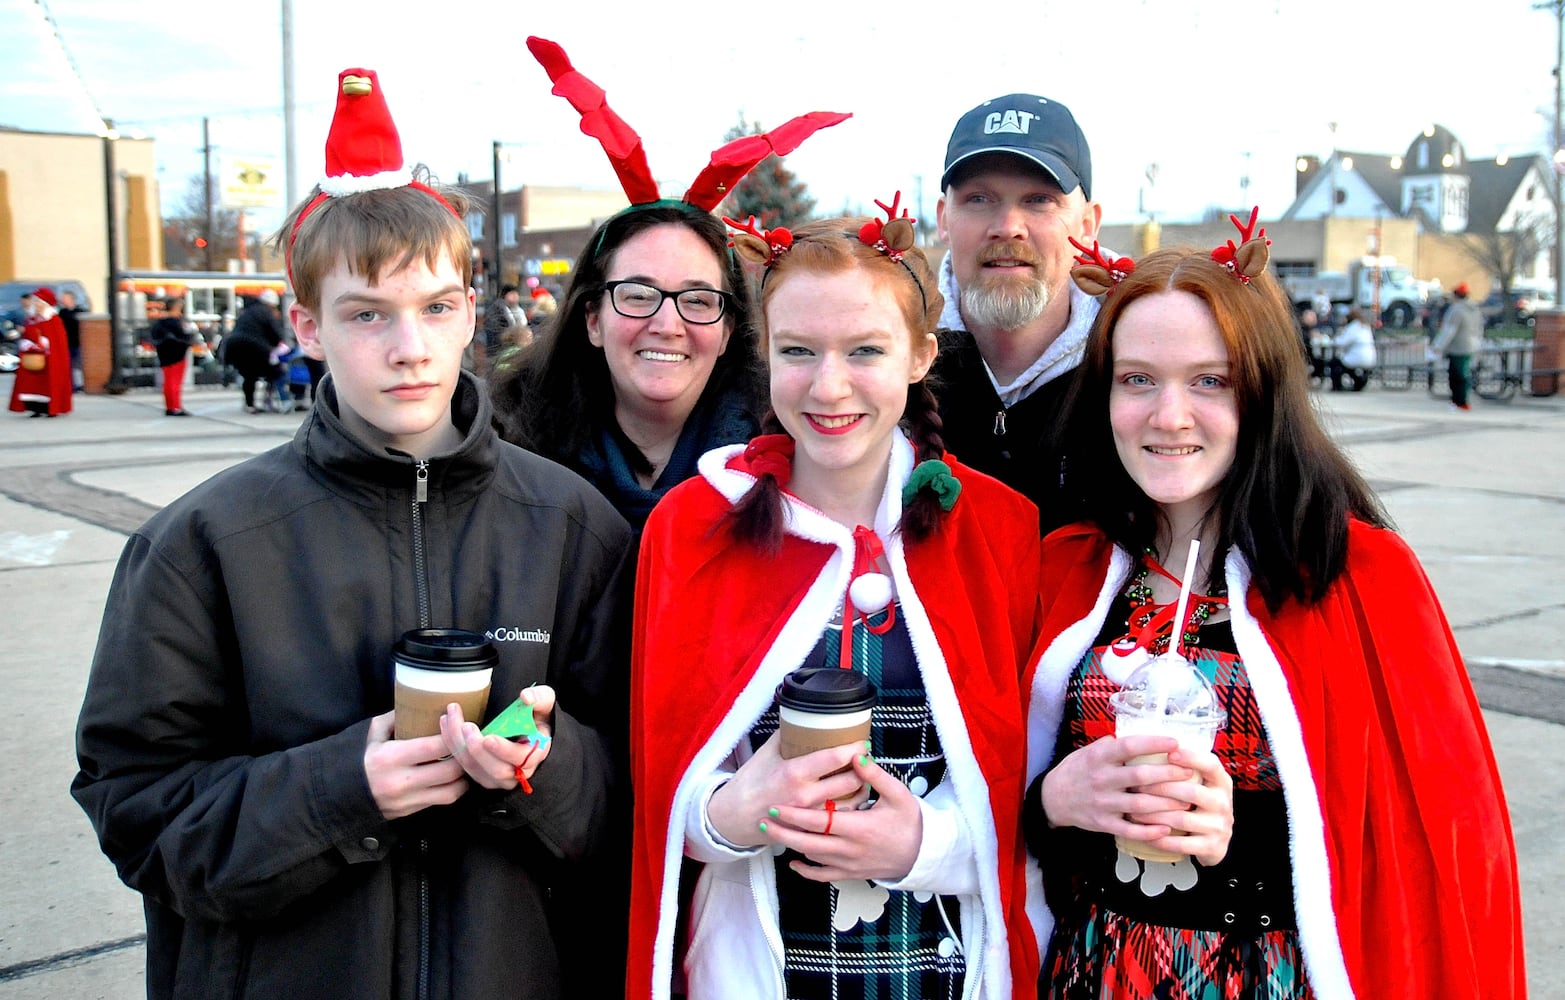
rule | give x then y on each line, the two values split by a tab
871	592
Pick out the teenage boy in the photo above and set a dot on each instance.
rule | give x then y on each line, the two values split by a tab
236	741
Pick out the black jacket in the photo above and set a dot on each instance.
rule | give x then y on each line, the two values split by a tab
245	645
1013	444
171	339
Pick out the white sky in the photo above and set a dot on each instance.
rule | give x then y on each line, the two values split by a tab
1210	90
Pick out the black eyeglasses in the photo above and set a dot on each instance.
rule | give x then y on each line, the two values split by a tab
698	306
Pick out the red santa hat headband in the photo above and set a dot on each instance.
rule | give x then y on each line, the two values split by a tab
623	146
363	149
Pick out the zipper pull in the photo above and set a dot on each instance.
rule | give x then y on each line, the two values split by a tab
999	423
421	490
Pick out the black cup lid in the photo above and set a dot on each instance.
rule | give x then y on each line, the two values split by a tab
826	689
445	649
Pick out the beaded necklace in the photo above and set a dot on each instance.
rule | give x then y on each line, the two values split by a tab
1150	625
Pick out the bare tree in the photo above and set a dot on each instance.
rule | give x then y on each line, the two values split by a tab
1502	253
186	242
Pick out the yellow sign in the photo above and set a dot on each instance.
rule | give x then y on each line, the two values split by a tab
248	182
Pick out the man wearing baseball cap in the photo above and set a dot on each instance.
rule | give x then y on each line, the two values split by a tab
1017	185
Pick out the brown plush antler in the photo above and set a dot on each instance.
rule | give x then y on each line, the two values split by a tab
895	235
756	245
1097	273
1249	258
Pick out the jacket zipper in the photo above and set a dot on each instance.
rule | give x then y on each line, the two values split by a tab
421	588
423	919
420	576
999	422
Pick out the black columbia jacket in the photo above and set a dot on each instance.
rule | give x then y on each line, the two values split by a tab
245	645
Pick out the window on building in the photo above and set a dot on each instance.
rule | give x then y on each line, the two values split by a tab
475	226
508	229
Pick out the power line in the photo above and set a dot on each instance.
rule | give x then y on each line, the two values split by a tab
65	50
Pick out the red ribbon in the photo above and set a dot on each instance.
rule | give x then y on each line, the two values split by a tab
770	455
867	552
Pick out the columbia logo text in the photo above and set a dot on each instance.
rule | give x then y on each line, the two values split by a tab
1008	121
518	635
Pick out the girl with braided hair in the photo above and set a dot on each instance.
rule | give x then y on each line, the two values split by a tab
886	868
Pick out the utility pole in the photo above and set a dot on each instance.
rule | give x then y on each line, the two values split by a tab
1557	155
290	162
492	288
206	186
116	377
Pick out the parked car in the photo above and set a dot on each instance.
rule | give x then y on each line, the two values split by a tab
1525	302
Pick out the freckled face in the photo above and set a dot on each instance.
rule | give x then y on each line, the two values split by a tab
841	358
394	349
1171	405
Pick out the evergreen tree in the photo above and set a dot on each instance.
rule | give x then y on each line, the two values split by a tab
770	192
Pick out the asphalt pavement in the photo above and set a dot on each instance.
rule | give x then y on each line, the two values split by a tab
1479	495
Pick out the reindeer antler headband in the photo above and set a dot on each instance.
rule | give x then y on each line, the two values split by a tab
1098	273
892	237
728	164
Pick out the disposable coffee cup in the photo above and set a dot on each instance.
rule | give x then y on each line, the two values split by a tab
1166	696
820	707
435	667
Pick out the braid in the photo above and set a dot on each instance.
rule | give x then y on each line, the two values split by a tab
759	517
921	516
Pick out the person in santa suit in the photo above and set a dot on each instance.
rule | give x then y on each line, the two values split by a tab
46	391
845	515
1355	841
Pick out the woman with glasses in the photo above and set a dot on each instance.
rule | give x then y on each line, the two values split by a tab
649	362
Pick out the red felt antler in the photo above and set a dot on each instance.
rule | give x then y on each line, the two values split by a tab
731	162
894	235
598	120
1097	272
757	245
1248	259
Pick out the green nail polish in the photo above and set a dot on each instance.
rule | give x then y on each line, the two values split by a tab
762	825
773	813
864	760
867	746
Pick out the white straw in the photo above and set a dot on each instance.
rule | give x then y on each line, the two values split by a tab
1184	595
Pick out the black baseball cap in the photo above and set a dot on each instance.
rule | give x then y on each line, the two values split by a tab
1026	125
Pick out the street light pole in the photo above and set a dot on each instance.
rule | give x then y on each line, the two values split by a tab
492	289
1556	159
116	379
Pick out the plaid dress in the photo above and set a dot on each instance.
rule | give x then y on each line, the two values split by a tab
1135	930
894	945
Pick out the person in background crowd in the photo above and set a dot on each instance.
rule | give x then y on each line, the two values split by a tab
1461	334
1017	189
505	322
70	315
250	347
171	337
42	386
1353	352
1349	837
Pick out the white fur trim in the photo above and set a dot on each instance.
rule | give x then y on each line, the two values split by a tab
986	947
1045	706
1319	940
383	181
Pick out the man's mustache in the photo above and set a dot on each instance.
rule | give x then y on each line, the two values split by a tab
1009	250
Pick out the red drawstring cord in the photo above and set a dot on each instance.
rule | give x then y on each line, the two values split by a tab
521	778
867	551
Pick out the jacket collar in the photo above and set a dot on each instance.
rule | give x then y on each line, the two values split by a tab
357	469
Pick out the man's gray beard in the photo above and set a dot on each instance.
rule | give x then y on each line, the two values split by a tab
1004	308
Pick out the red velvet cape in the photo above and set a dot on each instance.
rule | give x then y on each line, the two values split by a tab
1422	863
709	608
